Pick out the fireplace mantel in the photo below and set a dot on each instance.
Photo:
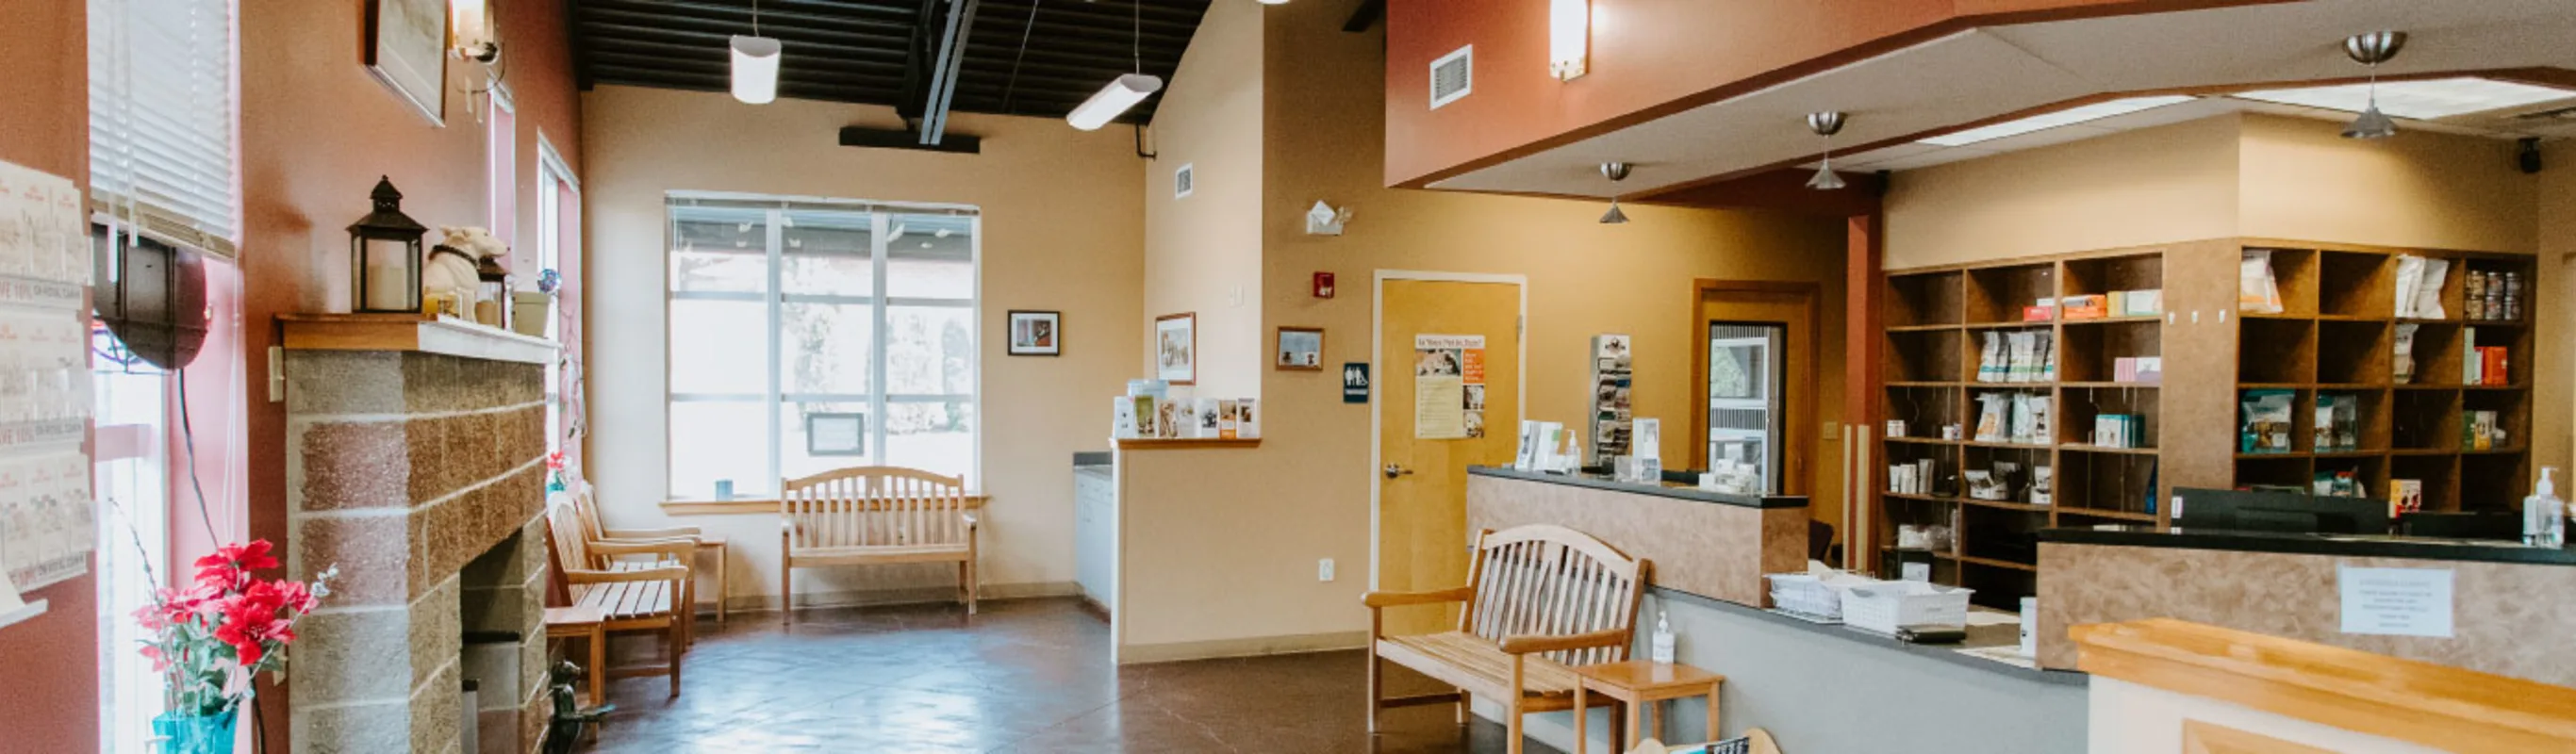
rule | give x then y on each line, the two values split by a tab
412	332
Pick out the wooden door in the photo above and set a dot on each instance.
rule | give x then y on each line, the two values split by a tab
1794	307
1422	505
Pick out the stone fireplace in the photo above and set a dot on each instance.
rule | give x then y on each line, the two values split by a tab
415	464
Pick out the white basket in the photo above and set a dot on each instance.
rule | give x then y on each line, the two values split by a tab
1883	607
1805	594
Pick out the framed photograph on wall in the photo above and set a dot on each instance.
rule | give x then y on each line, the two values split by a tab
1300	349
406	48
1176	348
1037	333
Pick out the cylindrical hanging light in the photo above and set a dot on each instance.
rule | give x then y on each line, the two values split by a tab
2371	50
1121	93
755	69
1826	124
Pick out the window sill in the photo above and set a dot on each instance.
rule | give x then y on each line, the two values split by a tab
751	506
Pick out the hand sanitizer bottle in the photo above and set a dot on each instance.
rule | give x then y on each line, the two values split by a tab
2544	516
1663	639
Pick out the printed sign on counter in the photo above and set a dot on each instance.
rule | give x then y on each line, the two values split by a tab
2396	601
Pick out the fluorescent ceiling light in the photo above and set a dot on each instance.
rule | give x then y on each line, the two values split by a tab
1111	100
755	69
2045	121
2418	100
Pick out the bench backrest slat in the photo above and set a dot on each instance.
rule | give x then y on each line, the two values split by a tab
873	506
1552	580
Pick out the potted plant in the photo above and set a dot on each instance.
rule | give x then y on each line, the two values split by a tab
210	638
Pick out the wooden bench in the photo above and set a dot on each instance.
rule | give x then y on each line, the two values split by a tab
875	515
626	596
1539	599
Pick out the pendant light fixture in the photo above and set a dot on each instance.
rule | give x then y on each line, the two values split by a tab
1122	92
1826	124
755	64
1616	172
2371	50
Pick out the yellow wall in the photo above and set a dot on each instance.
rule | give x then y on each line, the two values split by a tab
1257	520
2175	183
2300	179
1063	230
2262	176
1203	253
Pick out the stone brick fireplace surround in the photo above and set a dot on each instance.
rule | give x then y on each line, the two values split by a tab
415	463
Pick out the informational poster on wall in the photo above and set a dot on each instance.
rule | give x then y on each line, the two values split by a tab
1611	371
1448	387
47	522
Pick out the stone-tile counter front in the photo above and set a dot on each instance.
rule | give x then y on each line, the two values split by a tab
1712	545
2511	606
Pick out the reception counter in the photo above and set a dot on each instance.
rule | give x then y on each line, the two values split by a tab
2507	607
1710	544
1826	688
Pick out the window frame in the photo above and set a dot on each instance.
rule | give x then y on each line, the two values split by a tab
774	299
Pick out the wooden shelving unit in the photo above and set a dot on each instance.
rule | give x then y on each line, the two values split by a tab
2336	335
1937	321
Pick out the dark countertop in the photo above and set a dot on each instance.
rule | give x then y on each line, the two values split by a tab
1680	493
2360	546
1978	637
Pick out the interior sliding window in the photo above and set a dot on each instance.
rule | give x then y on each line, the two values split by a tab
807	336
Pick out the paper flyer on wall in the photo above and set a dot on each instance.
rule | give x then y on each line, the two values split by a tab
47	522
1448	387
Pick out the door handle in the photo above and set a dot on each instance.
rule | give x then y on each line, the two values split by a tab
1392	471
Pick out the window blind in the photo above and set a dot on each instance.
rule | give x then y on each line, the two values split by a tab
162	119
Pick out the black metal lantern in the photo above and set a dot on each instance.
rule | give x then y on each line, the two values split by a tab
384	257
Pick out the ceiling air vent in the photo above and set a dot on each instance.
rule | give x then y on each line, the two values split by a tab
1183	180
1453	76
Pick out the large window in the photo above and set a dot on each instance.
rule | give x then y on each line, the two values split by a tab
161	119
854	320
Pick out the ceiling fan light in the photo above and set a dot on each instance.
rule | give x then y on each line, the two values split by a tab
1825	179
1614	216
2372	124
755	69
1113	100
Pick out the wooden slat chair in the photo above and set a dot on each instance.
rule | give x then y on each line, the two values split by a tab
875	515
597	530
1539	599
630	597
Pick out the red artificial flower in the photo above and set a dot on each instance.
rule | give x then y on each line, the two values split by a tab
251	619
230	566
555	461
160	662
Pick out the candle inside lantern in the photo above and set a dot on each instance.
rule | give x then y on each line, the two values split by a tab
388	281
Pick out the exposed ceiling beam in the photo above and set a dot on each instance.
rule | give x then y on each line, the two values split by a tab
943	80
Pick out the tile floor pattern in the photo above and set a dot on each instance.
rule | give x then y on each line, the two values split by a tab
1022	676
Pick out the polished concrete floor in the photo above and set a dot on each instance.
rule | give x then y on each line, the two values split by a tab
1021	676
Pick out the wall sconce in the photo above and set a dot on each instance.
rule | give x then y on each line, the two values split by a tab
470	31
1569	38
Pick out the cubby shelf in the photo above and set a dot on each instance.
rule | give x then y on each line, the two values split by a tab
1937	321
2336	337
2098	513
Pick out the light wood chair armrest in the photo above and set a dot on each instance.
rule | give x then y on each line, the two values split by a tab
663	573
691	541
1375	600
1534	643
670	533
680	549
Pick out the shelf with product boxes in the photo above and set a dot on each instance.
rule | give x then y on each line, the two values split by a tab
2385	373
1998	381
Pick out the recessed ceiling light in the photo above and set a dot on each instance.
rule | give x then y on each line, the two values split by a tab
2045	121
2418	100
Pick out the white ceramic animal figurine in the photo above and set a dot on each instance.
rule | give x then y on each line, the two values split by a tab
450	268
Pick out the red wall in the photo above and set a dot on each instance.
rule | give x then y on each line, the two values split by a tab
1648	58
317	130
51	660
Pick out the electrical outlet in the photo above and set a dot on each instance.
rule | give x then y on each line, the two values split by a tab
276	374
1324	570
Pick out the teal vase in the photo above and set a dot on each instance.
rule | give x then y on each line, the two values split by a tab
195	734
